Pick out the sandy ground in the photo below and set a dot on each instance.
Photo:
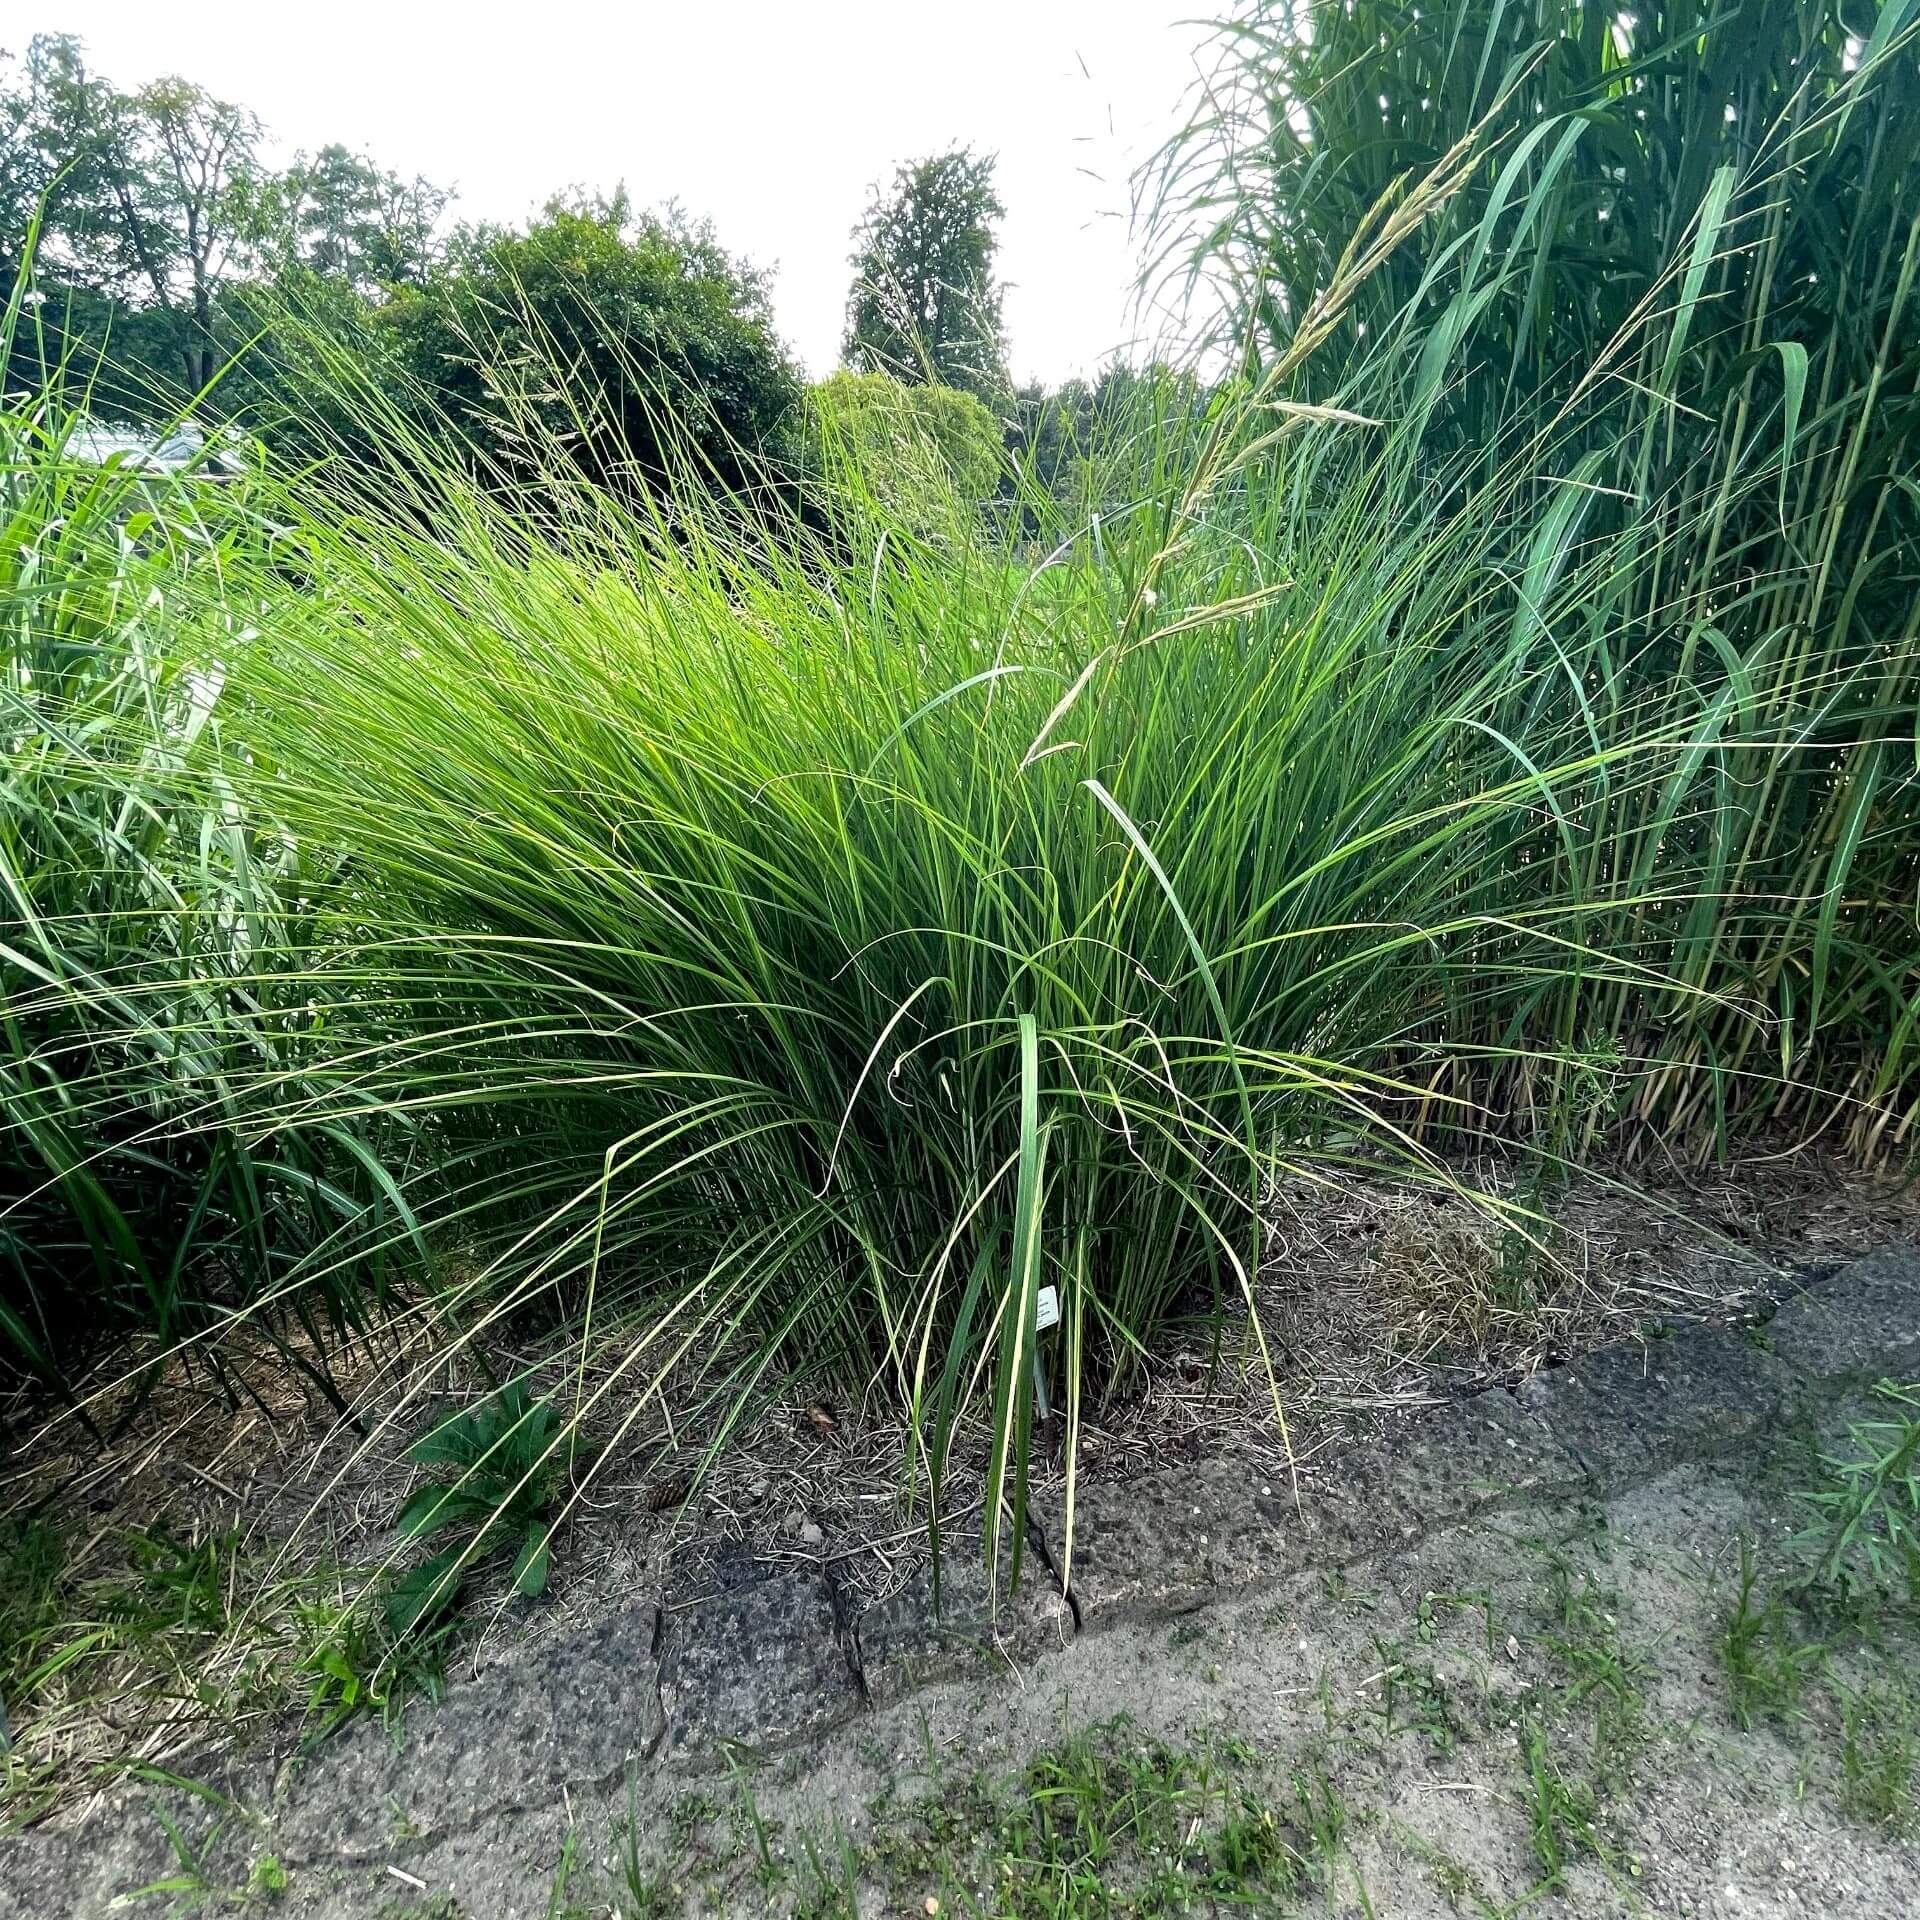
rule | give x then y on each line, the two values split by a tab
1437	1738
1529	1709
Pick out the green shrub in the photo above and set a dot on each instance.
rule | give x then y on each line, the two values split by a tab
634	342
926	455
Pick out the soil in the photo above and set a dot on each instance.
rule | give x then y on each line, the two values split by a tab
1413	1689
1303	1657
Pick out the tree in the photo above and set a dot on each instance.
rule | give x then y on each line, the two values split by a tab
316	300
332	237
924	305
57	161
30	158
165	245
1048	434
338	214
141	198
175	167
637	342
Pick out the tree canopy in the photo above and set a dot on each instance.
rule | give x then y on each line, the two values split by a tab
154	208
168	258
171	265
925	306
635	339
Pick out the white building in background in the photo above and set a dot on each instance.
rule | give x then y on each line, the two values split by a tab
220	456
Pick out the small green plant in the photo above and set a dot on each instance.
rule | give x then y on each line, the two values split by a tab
1603	1673
367	1654
560	1903
1427	1615
179	1585
764	1832
831	1890
1562	1812
190	1882
1320	1815
1457	1885
1318	1809
1766	1667
435	1906
1880	1758
160	1622
32	1560
1413	1698
644	1890
1864	1540
1102	1824
502	1452
268	1880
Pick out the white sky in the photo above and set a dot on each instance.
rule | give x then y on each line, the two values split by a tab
772	118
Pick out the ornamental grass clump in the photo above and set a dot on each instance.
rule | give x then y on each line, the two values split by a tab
804	948
154	950
751	933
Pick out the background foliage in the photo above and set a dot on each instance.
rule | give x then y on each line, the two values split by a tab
638	343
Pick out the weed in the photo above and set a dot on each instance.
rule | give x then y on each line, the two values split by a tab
1413	1699
560	1903
1337	1583
1603	1674
763	1832
1858	1560
502	1455
1864	1542
831	1888
690	1812
1318	1809
646	1893
1767	1668
1103	1823
190	1882
1880	1758
1456	1883
366	1653
268	1878
643	1889
32	1560
154	1617
1426	1619
1562	1812
434	1906
1320	1813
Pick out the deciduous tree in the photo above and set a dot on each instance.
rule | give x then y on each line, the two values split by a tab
925	306
637	341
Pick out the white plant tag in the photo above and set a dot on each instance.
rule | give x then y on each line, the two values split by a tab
1046	1310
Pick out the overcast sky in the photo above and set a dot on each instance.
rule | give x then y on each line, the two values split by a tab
772	118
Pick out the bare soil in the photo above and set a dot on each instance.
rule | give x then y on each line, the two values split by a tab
1376	1297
